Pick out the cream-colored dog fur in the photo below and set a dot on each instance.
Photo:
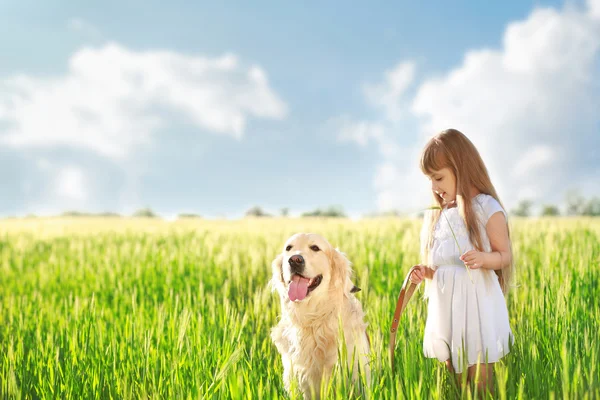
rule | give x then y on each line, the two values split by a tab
307	333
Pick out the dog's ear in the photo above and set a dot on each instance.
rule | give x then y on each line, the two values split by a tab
277	273
340	269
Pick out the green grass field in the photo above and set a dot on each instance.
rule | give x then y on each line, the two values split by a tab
125	308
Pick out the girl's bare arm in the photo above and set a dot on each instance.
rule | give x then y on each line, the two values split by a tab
497	232
500	256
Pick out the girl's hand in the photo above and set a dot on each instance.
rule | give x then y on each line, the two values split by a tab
420	273
473	259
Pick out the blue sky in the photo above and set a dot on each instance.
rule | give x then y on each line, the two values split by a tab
215	107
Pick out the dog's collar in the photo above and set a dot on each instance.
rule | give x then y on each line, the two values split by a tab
408	289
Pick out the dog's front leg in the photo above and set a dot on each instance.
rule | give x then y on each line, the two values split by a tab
357	347
287	372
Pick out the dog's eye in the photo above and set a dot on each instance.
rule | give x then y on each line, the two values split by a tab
288	248
314	247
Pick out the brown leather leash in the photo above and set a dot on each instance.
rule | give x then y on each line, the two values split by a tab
408	289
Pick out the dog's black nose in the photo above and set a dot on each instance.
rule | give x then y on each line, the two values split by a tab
297	263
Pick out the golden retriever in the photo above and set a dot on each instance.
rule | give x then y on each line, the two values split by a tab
313	282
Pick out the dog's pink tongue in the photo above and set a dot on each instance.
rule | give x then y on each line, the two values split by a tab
298	288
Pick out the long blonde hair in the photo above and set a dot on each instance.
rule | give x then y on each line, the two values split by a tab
452	149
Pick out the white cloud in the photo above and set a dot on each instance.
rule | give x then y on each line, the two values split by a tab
530	107
113	100
365	132
59	186
70	184
390	93
43	164
399	183
360	132
594	8
536	157
83	26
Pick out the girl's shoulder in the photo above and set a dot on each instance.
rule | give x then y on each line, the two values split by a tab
486	206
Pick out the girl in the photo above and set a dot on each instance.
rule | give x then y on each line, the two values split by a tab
467	260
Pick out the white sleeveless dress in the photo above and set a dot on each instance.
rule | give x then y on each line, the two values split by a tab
467	322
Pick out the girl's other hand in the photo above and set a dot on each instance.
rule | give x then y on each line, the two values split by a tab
473	259
418	274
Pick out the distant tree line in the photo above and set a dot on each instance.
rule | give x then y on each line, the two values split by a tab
141	213
86	214
331	212
576	205
255	211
